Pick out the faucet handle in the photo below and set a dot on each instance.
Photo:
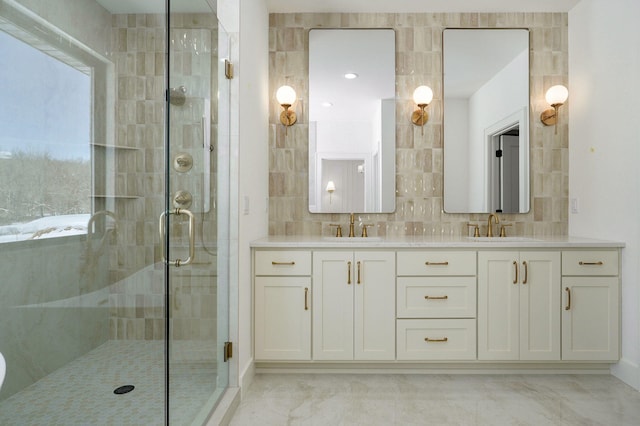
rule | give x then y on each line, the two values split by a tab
476	229
338	229
364	229
503	232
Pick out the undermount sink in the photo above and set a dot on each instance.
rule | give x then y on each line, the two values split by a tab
501	239
352	239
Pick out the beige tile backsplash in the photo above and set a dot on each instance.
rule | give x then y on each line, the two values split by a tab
419	165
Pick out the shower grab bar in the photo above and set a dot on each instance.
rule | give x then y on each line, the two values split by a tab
192	237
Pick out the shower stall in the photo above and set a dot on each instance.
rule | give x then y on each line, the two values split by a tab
114	211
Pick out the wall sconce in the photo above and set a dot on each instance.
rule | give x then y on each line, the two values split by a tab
422	96
286	96
330	188
555	96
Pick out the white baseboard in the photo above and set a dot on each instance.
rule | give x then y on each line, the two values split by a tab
246	377
628	372
433	368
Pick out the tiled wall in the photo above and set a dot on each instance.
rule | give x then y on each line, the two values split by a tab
137	295
419	159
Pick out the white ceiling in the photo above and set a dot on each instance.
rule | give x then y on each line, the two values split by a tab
409	6
396	6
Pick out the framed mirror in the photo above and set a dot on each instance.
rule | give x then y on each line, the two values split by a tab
352	123
486	120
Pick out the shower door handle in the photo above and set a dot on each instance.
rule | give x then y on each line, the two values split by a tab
192	236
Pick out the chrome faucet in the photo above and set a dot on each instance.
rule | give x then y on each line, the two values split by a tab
490	226
351	223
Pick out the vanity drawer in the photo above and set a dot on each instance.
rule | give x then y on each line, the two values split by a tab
436	297
436	263
436	339
596	262
283	262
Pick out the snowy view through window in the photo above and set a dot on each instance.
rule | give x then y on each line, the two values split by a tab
45	163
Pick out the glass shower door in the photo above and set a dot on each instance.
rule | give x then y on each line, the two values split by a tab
198	296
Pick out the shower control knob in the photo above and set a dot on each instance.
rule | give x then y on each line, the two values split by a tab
183	162
182	199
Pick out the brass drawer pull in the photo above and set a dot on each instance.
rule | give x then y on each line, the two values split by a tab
445	297
568	290
358	272
436	263
306	298
515	264
444	339
348	272
599	263
283	263
526	272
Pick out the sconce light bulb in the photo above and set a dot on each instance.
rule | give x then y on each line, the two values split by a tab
286	95
331	186
423	95
557	95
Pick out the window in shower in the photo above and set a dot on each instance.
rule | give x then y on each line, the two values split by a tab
45	156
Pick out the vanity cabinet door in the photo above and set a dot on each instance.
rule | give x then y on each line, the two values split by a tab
333	297
518	304
374	307
498	306
353	305
540	279
283	318
590	319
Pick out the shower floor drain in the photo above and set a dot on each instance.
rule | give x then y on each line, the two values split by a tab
124	389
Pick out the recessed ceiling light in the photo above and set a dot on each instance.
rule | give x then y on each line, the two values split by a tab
351	75
327	104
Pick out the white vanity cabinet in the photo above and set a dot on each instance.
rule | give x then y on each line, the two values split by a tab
519	305
282	314
353	309
436	305
322	303
590	312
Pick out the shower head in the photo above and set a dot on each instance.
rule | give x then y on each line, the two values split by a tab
177	95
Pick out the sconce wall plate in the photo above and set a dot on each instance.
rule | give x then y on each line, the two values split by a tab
549	116
288	117
420	117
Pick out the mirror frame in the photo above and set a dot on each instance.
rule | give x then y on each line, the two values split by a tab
521	116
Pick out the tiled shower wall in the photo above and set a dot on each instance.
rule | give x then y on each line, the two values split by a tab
419	158
137	297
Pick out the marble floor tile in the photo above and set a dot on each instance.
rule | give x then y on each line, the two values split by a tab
367	399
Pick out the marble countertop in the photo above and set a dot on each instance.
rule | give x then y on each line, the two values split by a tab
433	242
